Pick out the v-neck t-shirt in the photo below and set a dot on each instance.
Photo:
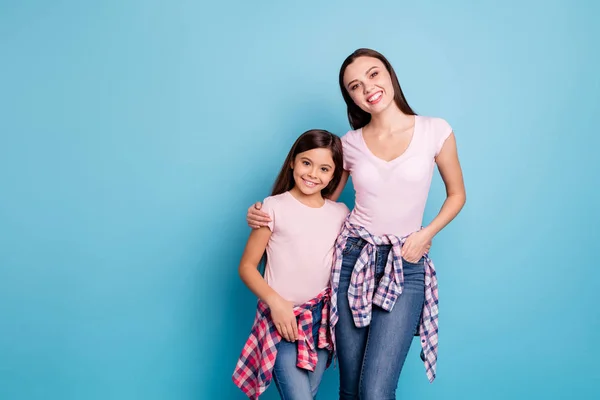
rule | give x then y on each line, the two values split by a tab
391	195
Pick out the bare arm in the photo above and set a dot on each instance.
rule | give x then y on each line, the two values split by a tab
451	172
447	161
338	191
282	311
248	269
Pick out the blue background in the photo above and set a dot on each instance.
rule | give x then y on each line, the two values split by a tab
135	134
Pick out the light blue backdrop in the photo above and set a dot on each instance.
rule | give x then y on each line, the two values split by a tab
135	134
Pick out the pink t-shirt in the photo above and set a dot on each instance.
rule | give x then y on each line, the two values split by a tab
391	196
300	250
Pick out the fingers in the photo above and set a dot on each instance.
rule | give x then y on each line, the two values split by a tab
407	251
294	331
289	331
256	218
411	256
261	218
256	223
252	224
283	332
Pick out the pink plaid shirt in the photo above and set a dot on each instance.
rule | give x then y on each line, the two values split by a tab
254	369
362	293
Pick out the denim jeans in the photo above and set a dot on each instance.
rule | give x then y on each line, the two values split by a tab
295	383
371	358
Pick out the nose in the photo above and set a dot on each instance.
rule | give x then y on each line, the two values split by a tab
313	172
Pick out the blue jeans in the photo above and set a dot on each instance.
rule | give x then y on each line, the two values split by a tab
371	358
295	383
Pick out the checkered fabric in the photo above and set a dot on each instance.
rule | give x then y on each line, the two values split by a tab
362	293
254	370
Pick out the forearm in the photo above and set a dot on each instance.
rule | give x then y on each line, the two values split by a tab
340	188
257	284
335	195
450	209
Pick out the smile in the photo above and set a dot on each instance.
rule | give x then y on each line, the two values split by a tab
375	97
309	183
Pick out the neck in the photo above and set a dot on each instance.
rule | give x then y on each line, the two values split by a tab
390	119
314	200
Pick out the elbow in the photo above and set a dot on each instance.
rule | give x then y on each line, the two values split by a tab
245	271
242	272
463	199
459	198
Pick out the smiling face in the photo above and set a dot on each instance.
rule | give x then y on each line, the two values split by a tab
369	84
313	170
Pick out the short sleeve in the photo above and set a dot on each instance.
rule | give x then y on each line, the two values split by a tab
345	152
268	206
351	149
442	131
344	210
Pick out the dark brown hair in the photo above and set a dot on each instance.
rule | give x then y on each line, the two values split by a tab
312	139
356	116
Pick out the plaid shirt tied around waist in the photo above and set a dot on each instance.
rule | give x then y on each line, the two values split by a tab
254	369
363	293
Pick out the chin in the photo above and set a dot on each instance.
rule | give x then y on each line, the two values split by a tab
310	192
382	105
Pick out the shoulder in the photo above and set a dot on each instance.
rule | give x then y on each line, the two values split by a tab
435	125
351	145
276	201
275	206
436	130
340	208
351	136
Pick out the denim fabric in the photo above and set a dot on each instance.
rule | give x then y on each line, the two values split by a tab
371	358
295	383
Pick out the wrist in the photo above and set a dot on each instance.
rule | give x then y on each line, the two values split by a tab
272	299
428	232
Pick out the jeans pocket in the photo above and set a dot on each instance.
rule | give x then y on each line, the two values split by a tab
349	258
413	271
351	244
420	262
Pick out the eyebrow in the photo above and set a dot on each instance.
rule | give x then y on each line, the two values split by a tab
323	165
366	73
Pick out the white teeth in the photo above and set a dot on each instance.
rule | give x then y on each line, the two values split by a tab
374	97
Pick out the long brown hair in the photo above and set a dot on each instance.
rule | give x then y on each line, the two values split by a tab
312	139
356	116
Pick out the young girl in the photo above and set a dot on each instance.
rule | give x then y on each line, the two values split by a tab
294	294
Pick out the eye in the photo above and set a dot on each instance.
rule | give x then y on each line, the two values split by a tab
305	163
353	87
374	74
325	169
